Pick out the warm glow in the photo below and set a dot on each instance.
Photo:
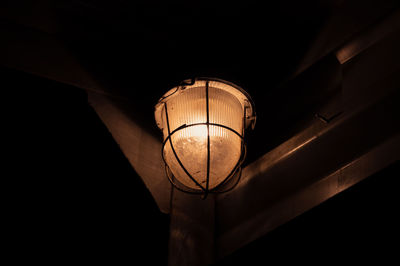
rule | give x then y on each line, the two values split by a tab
199	133
207	152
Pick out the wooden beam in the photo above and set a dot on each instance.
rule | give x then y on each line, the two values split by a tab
347	19
325	158
192	230
43	55
141	148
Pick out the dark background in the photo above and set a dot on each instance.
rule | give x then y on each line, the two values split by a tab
140	49
71	195
75	198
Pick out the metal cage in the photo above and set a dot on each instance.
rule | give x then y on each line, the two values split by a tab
230	181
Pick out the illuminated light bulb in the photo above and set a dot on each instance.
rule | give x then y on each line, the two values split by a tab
203	125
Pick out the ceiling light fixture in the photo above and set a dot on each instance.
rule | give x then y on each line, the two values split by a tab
203	122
